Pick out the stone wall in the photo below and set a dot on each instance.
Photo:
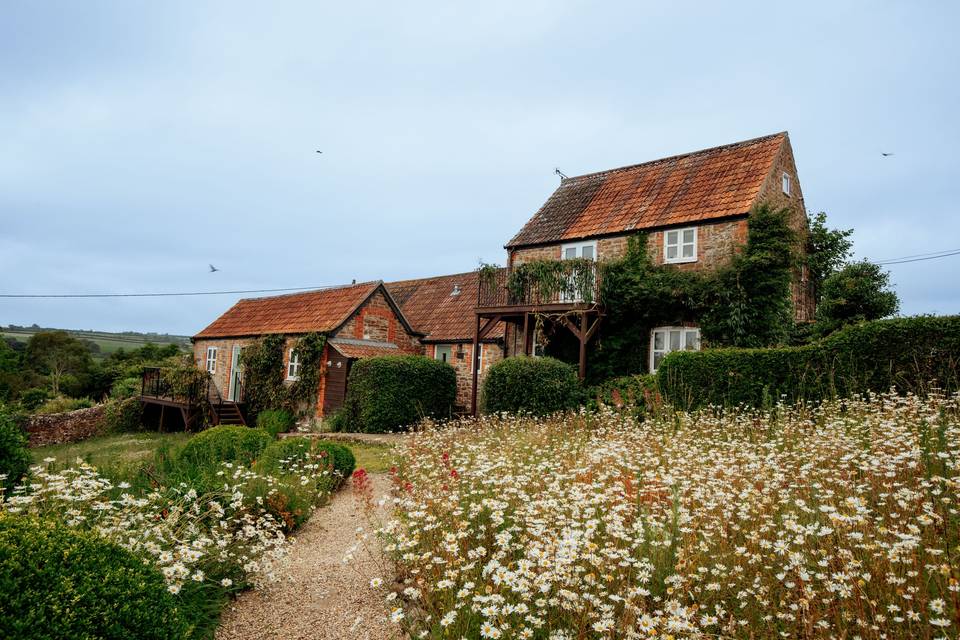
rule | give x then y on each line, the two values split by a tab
62	428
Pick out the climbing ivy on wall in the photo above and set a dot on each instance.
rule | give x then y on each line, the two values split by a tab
744	304
264	374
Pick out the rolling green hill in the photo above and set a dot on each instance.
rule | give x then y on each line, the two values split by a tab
107	342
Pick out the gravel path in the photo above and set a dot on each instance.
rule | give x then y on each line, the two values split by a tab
318	596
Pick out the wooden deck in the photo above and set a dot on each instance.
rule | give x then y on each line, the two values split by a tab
197	405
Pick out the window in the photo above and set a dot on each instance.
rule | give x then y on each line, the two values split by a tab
478	360
585	250
443	353
663	340
212	359
293	366
680	245
786	183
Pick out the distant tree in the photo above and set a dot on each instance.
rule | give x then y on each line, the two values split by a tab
858	291
57	354
827	250
9	359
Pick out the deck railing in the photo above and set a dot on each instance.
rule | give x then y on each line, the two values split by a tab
569	282
154	384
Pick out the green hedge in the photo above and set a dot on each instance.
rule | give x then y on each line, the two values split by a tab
275	421
56	582
228	443
290	449
14	455
533	385
909	354
389	393
123	416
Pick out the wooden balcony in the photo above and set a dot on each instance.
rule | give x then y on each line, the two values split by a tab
197	402
570	285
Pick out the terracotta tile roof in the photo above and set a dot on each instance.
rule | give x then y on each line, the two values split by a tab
429	306
703	185
364	348
321	310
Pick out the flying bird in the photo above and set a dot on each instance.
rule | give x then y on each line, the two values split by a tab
213	268
886	155
318	151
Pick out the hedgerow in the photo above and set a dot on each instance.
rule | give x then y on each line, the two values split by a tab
907	354
387	393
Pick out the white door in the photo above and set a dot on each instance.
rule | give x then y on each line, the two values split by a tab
585	250
236	375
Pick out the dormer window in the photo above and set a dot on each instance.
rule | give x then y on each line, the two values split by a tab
786	183
680	245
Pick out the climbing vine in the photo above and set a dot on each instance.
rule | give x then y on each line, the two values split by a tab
550	280
264	375
744	304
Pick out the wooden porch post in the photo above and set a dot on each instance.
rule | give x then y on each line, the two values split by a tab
476	373
526	325
583	345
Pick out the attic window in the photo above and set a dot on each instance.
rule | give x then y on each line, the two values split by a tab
786	183
680	245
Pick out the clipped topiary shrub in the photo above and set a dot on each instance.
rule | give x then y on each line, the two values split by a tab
533	385
122	416
56	582
299	449
227	443
908	354
389	393
275	421
14	455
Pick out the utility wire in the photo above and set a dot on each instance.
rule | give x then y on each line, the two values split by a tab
921	258
157	295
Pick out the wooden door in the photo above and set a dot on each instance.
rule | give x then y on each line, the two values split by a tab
338	367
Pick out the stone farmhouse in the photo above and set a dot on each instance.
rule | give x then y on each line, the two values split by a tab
694	209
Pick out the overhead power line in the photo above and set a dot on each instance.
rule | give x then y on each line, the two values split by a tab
157	295
921	257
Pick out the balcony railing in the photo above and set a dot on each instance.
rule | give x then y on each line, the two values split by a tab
560	283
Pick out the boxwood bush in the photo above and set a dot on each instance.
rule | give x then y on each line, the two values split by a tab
908	354
227	443
389	393
534	385
275	421
56	582
291	449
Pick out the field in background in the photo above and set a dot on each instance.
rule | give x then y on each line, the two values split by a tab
107	341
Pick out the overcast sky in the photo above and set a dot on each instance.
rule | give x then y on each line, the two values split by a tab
140	141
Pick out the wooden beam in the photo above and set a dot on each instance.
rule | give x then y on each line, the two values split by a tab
583	346
476	373
593	328
569	325
526	328
487	326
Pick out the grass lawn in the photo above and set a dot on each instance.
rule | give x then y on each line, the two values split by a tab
375	458
124	450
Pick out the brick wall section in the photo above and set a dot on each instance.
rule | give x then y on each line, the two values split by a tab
489	353
63	428
377	321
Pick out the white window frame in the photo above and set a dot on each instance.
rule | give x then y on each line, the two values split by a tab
212	360
449	350
786	183
684	333
680	244
477	359
578	247
294	366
